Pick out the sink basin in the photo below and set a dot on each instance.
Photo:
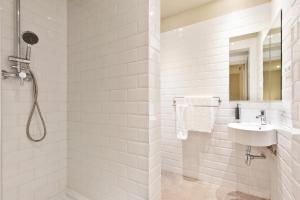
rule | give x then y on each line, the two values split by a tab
253	134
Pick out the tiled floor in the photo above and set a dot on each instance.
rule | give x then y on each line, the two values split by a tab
62	197
175	187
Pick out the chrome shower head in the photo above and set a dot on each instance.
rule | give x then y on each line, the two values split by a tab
30	38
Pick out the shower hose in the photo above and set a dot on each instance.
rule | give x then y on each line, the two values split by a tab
36	106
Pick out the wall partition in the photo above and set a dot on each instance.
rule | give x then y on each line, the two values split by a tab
110	100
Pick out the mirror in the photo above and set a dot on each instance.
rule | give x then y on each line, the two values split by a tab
272	63
255	71
243	64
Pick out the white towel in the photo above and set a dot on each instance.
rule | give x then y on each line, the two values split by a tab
200	113
181	121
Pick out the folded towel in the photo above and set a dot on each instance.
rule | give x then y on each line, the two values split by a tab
181	121
200	101
200	113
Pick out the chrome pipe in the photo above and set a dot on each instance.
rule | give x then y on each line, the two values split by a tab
216	106
249	157
18	34
18	27
28	52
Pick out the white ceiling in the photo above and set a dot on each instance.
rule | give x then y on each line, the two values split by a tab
173	7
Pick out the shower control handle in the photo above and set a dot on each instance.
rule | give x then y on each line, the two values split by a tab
22	75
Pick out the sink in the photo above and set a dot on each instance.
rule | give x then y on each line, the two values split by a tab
253	134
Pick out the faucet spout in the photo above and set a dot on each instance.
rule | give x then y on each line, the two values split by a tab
262	116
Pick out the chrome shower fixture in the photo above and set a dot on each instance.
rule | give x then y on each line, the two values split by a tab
21	70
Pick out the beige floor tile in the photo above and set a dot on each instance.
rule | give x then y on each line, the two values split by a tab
175	187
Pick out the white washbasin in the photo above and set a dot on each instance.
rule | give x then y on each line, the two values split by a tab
253	134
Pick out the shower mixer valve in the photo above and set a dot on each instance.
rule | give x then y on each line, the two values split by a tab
20	72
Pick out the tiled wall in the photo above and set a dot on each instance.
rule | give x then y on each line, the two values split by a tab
1	100
295	154
286	167
113	99
294	28
195	61
154	101
35	171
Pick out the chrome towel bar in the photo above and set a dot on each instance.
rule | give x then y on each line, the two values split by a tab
181	97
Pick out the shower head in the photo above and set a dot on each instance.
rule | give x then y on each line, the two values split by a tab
30	38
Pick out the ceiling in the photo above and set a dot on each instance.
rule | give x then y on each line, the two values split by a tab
173	7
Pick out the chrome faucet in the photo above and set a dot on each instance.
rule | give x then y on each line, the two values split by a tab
262	116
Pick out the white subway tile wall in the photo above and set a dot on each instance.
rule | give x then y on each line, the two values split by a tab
154	101
35	171
285	184
113	99
294	27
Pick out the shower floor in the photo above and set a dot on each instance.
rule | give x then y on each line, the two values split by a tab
175	187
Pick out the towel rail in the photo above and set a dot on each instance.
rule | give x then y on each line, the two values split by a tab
181	97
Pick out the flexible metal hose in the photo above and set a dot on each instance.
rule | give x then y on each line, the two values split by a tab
35	105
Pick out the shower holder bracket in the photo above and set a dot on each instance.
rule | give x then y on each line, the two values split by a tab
19	60
273	149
